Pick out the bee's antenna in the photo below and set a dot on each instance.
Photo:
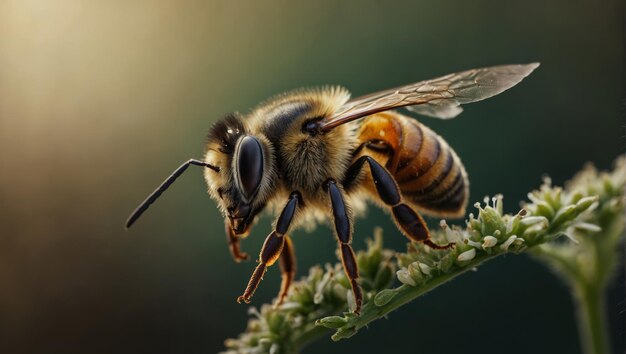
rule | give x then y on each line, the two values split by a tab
157	193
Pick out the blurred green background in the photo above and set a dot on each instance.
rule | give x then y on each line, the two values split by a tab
100	100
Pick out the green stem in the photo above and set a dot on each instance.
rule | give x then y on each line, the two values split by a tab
407	293
590	305
590	291
404	295
372	312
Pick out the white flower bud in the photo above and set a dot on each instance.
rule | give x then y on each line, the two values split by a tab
405	278
489	241
472	243
467	255
275	348
351	300
424	268
443	224
505	246
518	241
588	227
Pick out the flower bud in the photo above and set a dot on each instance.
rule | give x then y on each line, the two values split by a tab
405	277
425	268
466	256
331	322
584	226
505	246
383	297
489	241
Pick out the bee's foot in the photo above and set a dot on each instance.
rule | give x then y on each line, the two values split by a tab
244	299
240	257
433	245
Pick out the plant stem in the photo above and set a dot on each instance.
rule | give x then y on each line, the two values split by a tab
407	293
371	312
590	306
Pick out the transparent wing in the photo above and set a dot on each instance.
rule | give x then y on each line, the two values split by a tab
438	98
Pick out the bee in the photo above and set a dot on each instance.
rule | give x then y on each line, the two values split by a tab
315	155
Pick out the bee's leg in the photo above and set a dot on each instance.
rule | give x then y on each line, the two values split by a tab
233	245
408	220
287	269
343	230
272	247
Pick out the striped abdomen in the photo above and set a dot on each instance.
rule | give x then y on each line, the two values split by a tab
429	173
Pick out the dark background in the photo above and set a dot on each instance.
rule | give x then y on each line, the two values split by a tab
99	101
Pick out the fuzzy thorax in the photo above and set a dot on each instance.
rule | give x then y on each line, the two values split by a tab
294	160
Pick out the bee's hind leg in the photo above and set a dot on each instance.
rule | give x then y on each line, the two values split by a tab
343	230
273	246
408	220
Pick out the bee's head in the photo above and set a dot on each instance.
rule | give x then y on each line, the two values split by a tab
246	163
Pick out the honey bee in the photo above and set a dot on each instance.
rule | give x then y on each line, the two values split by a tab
315	155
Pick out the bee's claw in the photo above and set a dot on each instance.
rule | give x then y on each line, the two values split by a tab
240	257
244	299
439	247
450	245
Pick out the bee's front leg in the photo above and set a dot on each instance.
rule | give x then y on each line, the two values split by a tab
343	231
273	246
233	243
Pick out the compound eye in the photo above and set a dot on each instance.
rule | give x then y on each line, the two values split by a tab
249	165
